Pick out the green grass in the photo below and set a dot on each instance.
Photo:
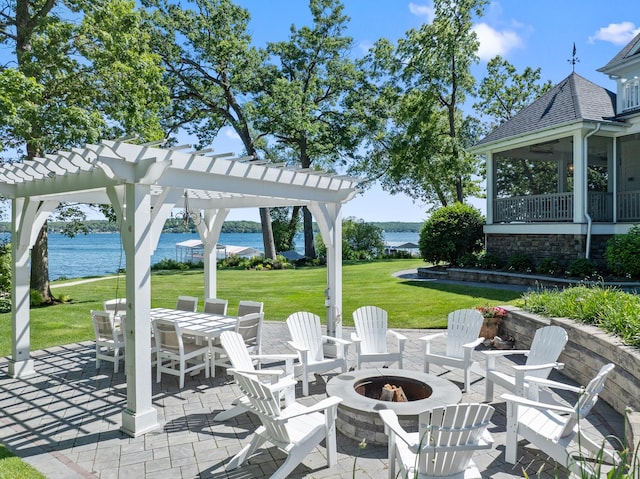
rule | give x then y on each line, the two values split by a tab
411	304
12	467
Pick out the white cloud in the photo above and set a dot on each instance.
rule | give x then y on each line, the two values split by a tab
494	42
231	134
616	33
425	11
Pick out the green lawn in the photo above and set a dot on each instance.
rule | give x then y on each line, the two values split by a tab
411	304
12	467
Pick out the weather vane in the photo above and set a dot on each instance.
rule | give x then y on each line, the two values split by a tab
574	58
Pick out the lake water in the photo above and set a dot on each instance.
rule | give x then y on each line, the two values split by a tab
100	254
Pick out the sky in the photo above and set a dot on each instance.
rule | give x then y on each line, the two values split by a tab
537	34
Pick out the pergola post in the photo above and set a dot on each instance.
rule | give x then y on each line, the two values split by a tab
329	219
27	217
209	229
140	416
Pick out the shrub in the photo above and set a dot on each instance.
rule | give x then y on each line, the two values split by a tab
360	241
520	262
36	298
5	267
549	266
622	253
468	260
581	268
5	302
489	261
450	233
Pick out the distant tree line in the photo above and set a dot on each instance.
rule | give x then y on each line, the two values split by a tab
175	225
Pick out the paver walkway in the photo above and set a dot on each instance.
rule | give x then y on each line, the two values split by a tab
65	421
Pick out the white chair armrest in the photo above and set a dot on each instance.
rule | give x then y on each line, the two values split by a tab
521	401
552	384
355	338
431	337
326	403
344	342
504	352
297	347
390	420
473	343
399	336
536	367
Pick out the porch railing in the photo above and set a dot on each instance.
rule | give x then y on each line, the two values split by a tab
629	206
558	207
528	209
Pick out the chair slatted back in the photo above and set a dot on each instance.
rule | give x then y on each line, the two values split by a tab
371	327
248	307
463	326
547	344
459	425
168	335
265	404
103	325
187	303
233	344
587	399
215	306
117	306
305	330
249	327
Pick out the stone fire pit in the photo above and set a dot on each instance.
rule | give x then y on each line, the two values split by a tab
358	416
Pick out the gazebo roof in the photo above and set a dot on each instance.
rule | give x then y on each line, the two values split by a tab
217	181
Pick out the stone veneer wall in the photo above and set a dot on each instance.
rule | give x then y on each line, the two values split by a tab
588	349
563	248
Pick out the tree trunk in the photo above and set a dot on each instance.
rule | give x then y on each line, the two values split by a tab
40	265
309	246
267	234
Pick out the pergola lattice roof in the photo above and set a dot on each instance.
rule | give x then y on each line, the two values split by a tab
217	181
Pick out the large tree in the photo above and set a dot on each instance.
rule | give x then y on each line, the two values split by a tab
305	103
419	146
80	71
214	74
502	93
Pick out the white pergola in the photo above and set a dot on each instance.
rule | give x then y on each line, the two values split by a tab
144	183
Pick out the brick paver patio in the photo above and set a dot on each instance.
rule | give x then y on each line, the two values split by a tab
65	421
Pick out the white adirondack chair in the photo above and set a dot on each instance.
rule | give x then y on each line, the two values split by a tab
240	359
463	328
307	339
370	337
296	429
444	444
554	428
547	344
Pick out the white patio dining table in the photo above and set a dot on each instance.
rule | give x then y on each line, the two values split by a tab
205	325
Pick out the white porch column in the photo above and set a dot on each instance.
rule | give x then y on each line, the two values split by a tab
329	219
579	178
491	190
27	217
209	229
139	417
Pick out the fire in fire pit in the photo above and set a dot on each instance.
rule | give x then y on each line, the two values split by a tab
393	388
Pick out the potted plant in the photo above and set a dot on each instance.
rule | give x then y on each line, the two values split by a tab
493	316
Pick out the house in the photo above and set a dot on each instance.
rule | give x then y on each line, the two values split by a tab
563	175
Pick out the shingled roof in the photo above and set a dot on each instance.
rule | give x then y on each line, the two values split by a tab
632	49
574	98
